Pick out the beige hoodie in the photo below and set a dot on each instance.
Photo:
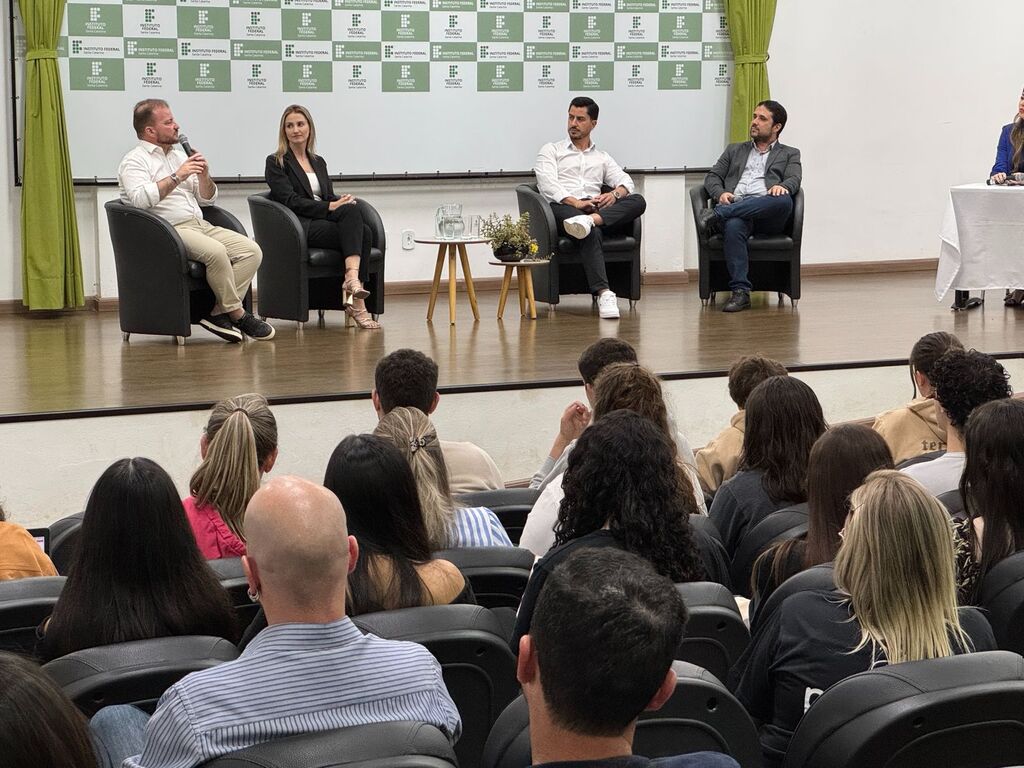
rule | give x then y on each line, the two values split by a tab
912	430
717	461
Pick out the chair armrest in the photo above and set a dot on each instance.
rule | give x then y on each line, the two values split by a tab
372	219
699	199
277	230
543	228
221	217
150	240
798	216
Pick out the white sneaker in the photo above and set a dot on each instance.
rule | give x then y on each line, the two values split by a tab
607	305
579	227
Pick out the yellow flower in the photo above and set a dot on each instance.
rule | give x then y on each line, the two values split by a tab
533	248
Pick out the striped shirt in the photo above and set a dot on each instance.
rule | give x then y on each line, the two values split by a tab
293	679
479	527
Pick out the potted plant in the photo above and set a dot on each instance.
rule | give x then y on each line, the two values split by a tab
510	238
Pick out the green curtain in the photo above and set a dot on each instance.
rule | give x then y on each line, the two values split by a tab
51	261
750	28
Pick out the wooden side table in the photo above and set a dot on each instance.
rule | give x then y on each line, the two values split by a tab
524	278
451	245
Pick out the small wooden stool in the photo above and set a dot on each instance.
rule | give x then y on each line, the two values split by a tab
524	278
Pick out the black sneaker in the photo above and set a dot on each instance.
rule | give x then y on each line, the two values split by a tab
253	327
220	325
739	301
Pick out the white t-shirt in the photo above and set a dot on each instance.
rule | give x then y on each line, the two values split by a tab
939	475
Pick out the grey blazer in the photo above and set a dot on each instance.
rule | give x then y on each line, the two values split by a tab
783	168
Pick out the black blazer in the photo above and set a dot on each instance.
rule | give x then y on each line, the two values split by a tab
783	168
289	186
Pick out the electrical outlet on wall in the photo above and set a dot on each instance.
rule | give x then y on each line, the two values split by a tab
407	239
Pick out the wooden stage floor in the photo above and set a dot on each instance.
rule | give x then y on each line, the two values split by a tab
78	362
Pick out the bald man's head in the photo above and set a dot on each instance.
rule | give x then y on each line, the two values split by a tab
297	537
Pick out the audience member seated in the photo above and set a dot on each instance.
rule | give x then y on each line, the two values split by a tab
297	564
409	378
21	556
238	445
840	460
448	525
138	573
914	429
42	728
783	420
718	460
993	489
594	360
962	381
896	601
599	653
619	386
624	489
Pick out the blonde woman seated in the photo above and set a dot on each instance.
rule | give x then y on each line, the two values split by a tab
895	601
448	525
238	445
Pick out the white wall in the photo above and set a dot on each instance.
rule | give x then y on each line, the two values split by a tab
890	102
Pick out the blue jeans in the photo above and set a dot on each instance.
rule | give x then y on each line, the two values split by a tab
766	215
118	733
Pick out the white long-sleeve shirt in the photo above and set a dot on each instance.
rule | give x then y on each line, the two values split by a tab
139	172
564	171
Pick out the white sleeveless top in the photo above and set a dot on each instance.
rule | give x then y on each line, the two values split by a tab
314	184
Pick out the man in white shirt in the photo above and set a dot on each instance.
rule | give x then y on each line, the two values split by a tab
570	174
158	176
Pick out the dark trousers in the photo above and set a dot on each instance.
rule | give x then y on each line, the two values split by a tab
766	215
343	230
616	218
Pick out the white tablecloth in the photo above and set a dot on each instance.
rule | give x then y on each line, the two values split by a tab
982	240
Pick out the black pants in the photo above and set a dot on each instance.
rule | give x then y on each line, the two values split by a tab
343	230
616	218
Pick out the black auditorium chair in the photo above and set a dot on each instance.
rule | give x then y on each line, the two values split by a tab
965	711
700	716
399	744
231	576
295	278
715	635
953	501
24	605
817	577
160	290
498	575
137	672
788	523
1002	598
511	505
564	273
478	667
774	259
64	535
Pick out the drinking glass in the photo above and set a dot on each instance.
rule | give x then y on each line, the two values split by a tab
458	227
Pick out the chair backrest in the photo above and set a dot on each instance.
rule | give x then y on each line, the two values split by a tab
511	505
136	672
788	523
24	605
962	710
64	535
1002	597
816	577
231	576
498	575
953	501
478	667
715	635
700	716
400	744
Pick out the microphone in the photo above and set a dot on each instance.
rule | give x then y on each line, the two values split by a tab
183	140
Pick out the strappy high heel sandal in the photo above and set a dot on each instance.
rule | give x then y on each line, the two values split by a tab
352	289
362	318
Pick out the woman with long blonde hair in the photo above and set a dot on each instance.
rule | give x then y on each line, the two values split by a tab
238	445
448	525
895	601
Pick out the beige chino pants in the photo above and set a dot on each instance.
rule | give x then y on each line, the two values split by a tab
231	260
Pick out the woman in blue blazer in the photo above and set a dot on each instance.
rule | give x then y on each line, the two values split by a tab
298	178
1010	152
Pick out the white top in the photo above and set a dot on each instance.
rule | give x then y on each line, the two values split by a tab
139	172
314	184
939	475
564	171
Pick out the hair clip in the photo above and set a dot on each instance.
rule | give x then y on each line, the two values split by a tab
415	443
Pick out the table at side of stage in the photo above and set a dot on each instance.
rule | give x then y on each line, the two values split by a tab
451	246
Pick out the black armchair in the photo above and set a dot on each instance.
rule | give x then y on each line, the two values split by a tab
160	290
294	278
564	273
774	259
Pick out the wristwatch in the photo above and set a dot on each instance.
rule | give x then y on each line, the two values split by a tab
175	179
615	194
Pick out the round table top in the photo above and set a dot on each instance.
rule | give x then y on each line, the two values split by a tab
520	263
446	240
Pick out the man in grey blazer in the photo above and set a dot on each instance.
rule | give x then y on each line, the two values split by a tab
751	187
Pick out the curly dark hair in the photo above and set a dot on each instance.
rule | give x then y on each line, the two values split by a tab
623	472
963	380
